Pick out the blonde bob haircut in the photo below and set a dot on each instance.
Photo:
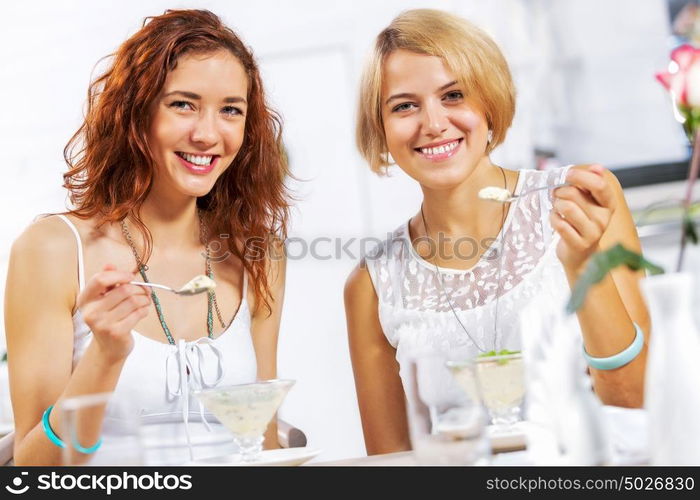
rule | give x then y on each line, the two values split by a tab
467	51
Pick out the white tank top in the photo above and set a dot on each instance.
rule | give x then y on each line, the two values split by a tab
154	382
416	314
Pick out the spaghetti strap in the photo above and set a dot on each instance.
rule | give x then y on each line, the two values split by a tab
245	286
81	272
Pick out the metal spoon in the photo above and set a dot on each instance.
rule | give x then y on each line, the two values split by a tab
196	285
504	196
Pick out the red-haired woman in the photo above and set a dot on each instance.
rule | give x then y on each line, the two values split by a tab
178	164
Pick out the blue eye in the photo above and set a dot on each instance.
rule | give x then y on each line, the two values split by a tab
404	106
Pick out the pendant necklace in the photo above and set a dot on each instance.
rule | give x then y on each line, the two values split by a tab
438	276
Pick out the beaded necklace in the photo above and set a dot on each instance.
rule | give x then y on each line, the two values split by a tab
211	299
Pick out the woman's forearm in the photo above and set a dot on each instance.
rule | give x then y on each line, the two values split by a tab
607	329
94	373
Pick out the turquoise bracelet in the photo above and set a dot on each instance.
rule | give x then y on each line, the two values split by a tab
48	430
621	358
87	451
57	440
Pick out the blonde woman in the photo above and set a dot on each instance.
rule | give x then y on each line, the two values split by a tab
436	99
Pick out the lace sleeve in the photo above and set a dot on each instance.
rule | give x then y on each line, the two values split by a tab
383	264
554	177
376	263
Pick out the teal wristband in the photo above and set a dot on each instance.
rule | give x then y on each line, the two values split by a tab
48	430
621	358
57	440
87	451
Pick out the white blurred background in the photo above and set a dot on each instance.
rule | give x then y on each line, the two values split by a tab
584	71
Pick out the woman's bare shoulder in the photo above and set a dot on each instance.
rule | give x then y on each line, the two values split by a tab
47	235
45	253
359	291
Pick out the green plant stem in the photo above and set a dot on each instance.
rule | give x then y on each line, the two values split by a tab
599	265
692	177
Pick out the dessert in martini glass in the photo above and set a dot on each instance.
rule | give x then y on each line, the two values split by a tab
501	381
496	379
246	410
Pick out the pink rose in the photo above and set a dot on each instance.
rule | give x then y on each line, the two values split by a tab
683	79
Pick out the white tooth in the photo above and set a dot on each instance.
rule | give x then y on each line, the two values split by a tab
198	160
441	149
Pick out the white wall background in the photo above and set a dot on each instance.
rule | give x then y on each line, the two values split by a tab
580	67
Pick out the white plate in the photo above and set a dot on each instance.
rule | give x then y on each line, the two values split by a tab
511	439
281	456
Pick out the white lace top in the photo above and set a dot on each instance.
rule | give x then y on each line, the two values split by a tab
415	312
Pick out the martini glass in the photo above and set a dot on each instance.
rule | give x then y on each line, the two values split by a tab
502	387
246	410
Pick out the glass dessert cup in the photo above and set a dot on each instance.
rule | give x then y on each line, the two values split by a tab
502	387
246	411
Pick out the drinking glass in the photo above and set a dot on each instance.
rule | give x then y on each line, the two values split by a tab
446	424
501	385
246	410
81	428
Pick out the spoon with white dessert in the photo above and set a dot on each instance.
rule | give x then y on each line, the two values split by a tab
501	195
196	285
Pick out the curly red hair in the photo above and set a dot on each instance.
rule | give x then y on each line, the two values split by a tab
111	165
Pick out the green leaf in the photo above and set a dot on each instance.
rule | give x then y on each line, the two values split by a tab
689	228
502	352
4	357
599	265
486	354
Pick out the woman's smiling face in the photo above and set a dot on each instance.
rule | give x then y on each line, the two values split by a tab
434	132
198	122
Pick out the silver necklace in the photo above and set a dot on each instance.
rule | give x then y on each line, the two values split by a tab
438	276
